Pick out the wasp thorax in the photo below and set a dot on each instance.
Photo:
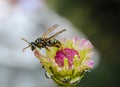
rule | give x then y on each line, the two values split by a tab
39	40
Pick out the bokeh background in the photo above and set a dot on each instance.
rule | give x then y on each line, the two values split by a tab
96	20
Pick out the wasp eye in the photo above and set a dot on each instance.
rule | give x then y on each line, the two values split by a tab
33	46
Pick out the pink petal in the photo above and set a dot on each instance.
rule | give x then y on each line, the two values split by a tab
90	63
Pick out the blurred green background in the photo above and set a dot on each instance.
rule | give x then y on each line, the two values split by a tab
99	20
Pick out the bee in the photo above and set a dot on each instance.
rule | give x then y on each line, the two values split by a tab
44	42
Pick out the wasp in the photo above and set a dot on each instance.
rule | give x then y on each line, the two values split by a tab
45	42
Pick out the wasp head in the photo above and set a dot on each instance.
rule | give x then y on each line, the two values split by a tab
32	45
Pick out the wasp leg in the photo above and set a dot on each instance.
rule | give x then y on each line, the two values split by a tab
47	48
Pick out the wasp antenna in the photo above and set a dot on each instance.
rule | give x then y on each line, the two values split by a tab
25	48
25	40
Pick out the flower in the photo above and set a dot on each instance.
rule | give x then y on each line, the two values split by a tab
69	63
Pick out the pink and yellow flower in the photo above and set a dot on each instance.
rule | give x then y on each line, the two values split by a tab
69	63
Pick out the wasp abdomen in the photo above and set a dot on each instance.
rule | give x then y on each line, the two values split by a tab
54	43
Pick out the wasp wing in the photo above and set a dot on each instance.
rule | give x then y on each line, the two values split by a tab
54	35
50	30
